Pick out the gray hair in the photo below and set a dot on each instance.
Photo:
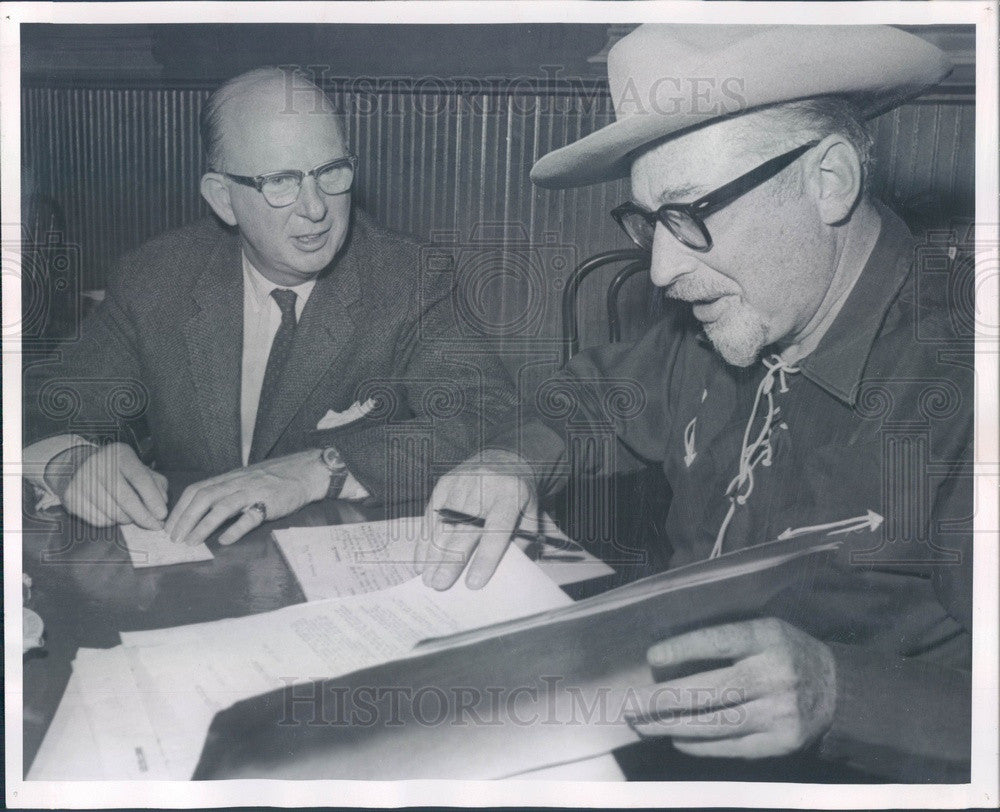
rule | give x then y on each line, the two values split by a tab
794	123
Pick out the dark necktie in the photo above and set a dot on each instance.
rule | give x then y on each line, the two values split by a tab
280	347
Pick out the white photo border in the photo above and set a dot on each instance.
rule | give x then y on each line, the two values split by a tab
983	789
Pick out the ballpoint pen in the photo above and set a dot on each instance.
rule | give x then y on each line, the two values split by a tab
449	516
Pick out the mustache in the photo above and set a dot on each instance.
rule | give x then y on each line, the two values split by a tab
695	290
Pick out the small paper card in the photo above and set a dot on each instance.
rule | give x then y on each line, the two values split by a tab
154	548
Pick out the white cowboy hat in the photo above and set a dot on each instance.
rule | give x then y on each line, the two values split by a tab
666	79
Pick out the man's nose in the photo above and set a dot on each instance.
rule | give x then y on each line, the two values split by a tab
311	202
669	258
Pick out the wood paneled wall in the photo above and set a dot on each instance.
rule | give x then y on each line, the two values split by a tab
124	163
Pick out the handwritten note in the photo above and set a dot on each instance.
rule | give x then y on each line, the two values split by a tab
350	559
154	548
355	559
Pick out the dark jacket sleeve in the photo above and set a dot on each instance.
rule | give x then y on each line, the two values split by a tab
608	411
909	718
93	385
456	391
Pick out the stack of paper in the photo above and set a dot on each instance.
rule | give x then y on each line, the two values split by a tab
351	559
142	710
513	697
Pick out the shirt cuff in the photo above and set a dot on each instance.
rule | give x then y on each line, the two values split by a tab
36	458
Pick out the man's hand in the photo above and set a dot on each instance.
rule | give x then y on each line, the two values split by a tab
776	697
282	485
495	485
109	486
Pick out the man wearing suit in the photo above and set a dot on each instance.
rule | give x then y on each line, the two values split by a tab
273	353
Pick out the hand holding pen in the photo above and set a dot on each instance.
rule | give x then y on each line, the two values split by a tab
474	513
538	540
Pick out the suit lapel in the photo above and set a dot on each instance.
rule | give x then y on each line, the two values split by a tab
324	331
214	336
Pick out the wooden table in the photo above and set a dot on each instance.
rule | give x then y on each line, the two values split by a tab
86	591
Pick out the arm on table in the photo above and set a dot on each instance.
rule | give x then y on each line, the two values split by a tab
46	463
527	457
461	396
105	484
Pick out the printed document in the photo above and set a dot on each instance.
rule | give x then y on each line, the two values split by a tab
177	679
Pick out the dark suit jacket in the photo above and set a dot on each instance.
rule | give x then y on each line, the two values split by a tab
166	345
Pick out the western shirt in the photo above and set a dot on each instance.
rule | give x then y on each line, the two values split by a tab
878	417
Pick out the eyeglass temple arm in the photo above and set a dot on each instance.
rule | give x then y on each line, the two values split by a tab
744	183
244	180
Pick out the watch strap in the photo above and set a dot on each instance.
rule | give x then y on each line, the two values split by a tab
335	464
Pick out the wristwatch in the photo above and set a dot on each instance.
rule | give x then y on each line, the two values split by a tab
335	464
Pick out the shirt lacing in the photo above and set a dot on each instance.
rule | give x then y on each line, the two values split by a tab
689	450
759	451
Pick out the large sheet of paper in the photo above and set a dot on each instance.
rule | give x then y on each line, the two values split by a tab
173	681
69	750
127	745
154	548
351	559
100	730
518	696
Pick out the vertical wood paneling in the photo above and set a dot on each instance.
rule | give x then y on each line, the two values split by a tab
125	164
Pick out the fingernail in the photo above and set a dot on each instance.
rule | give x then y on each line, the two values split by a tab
441	581
659	657
475	581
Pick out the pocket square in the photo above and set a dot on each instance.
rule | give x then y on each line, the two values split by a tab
333	420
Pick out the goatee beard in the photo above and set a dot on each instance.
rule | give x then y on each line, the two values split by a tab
739	337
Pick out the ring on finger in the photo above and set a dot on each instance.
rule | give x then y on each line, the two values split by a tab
257	508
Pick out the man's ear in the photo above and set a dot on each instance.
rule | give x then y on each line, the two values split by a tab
216	194
835	178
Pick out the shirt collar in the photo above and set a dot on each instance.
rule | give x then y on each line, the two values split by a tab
258	288
838	362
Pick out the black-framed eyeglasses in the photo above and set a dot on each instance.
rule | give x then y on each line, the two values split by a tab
282	188
686	221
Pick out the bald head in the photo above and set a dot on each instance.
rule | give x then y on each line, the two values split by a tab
266	103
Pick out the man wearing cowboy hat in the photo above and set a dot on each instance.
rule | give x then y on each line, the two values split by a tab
795	389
